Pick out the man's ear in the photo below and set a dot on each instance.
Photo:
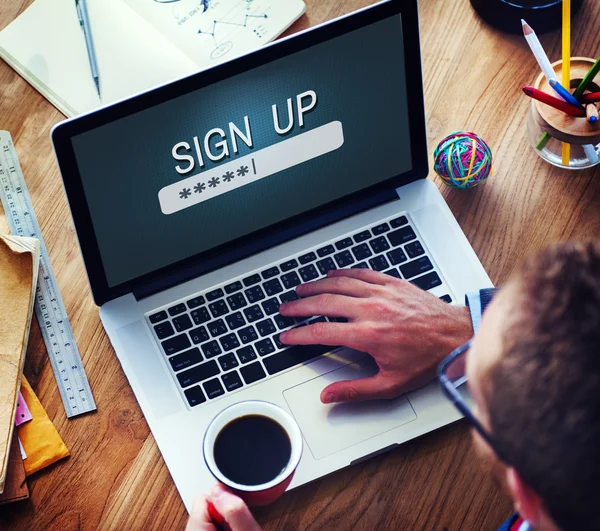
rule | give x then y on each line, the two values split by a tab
527	503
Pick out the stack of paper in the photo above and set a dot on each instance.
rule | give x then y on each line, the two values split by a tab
19	262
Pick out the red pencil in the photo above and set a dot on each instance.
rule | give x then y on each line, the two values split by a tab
593	97
546	98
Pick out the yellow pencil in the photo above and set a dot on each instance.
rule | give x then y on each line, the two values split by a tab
566	64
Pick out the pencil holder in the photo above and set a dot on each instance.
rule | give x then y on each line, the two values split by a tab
548	128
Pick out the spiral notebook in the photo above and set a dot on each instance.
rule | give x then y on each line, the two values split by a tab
139	44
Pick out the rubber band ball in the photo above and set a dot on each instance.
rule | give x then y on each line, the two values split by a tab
463	160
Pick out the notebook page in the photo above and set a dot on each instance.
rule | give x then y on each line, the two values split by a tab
46	46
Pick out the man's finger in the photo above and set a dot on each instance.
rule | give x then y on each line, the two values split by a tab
332	334
340	285
199	518
233	509
366	275
363	389
324	304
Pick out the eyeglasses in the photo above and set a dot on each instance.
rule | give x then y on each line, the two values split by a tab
453	379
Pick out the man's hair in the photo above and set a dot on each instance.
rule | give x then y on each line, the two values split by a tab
544	393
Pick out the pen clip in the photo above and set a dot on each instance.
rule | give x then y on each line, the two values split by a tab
79	13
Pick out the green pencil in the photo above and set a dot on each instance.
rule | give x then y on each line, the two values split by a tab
589	77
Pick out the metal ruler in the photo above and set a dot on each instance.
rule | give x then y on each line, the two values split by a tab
49	307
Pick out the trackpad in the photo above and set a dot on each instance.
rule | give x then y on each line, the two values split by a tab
330	428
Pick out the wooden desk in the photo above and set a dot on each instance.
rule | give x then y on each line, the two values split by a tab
116	477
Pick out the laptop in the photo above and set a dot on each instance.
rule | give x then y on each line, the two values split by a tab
200	206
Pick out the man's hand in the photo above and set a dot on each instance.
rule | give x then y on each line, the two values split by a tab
407	331
232	509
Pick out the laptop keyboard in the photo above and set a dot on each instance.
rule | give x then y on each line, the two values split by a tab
227	338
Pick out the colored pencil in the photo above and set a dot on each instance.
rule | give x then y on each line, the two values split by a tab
566	66
588	78
592	97
590	153
591	112
564	93
538	51
548	99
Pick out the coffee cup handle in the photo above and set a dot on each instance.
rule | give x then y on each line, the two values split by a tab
217	518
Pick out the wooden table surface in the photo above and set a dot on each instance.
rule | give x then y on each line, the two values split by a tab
115	477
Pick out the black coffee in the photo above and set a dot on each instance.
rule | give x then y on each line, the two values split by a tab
252	450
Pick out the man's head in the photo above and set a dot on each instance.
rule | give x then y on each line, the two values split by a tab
534	372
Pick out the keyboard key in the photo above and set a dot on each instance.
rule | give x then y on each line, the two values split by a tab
271	306
324	251
325	265
308	273
446	298
306	258
251	280
264	347
228	361
317	320
361	251
416	267
289	265
428	281
379	263
157	317
194	396
200	316
290	280
232	381
393	273
236	301
214	294
229	342
195	302
185	359
218	308
213	388
177	309
277	339
183	322
293	356
254	313
255	294
362	236
211	349
344	244
266	327
247	334
216	328
199	335
235	320
176	344
246	354
380	229
199	373
398	222
397	256
379	245
233	287
360	265
344	259
253	372
400	236
270	273
414	249
283	322
273	287
163	330
289	296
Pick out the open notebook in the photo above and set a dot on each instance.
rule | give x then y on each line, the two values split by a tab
139	44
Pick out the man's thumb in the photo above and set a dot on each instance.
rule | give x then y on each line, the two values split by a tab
357	390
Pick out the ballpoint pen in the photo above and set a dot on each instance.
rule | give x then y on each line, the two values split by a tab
84	21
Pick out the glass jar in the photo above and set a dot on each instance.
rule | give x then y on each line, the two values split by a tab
548	128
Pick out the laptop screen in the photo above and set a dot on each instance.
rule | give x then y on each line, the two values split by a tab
245	153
